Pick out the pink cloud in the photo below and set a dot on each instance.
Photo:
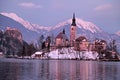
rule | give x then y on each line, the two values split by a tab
30	5
103	7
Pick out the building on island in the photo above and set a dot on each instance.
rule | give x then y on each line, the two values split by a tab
100	45
73	31
61	39
81	44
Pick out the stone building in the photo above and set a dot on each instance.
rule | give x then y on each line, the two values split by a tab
100	45
81	44
61	39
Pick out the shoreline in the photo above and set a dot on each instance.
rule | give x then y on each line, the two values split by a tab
102	60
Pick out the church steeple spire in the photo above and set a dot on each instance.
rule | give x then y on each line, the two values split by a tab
73	20
73	31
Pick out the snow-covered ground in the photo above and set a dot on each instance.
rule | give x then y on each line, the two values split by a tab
70	53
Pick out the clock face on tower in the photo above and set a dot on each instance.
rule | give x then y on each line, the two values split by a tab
73	32
72	29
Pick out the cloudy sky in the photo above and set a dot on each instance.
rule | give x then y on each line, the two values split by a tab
103	13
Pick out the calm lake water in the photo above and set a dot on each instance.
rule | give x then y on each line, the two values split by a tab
15	69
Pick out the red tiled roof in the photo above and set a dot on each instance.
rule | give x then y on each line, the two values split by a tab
61	36
81	38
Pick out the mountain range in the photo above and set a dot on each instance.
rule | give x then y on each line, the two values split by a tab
31	32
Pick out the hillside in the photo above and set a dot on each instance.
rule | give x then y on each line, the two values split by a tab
31	32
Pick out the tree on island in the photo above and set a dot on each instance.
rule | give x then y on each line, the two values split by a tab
40	41
48	41
46	44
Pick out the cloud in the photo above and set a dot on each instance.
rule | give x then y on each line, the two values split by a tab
103	7
30	5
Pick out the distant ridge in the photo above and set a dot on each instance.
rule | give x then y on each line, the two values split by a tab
31	32
34	27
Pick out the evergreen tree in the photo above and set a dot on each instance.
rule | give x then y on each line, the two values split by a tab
112	46
52	39
40	41
48	40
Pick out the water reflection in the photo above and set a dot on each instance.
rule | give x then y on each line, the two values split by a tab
12	69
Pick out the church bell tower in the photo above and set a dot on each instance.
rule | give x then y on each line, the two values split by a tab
73	31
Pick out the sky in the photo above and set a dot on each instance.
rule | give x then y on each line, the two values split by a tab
103	13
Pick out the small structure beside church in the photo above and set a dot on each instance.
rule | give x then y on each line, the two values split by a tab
61	39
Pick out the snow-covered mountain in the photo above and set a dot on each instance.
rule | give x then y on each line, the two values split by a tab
32	31
80	24
29	29
84	28
28	35
34	27
25	23
118	33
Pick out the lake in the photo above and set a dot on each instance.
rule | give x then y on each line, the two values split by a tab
18	69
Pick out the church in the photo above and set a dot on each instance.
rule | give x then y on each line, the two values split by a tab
62	40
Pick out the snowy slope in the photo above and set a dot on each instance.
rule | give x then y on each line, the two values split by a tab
84	28
27	34
86	25
28	25
34	27
18	19
80	24
118	33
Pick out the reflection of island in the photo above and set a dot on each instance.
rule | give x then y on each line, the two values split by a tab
8	71
58	70
74	70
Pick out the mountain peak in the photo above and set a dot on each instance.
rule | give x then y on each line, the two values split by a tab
18	19
86	25
34	27
28	25
11	15
81	24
